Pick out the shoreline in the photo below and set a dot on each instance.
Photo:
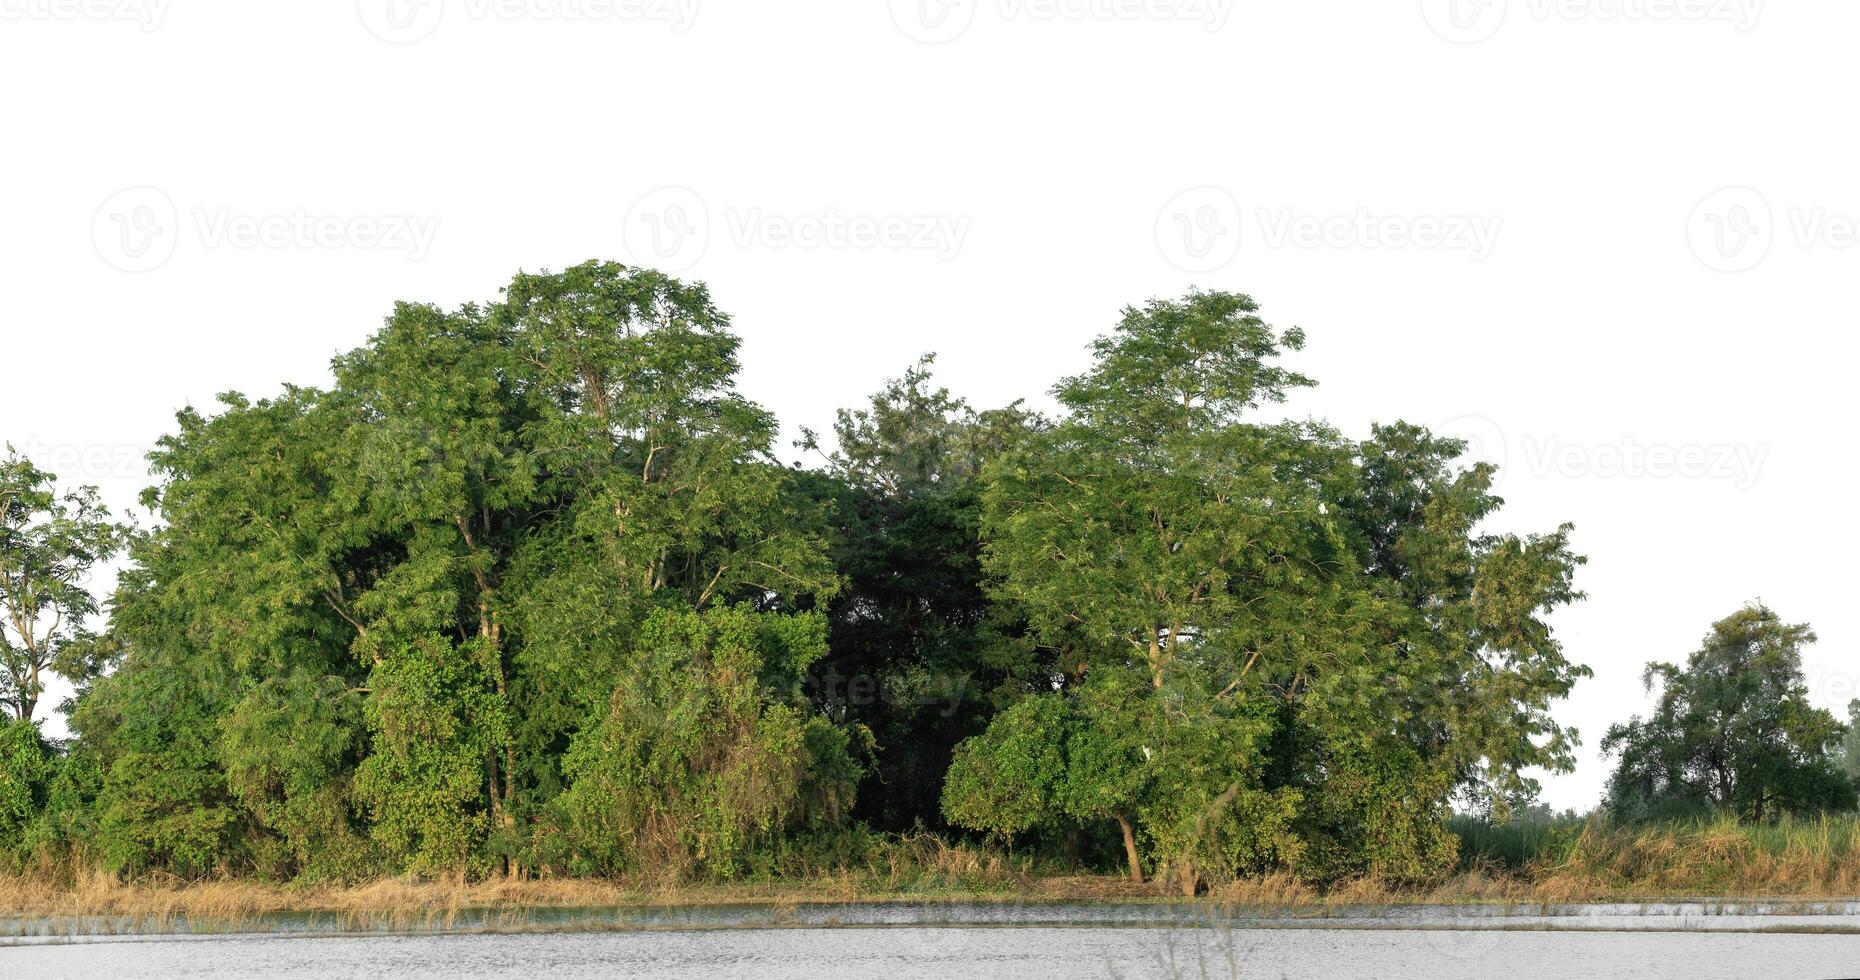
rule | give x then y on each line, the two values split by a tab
234	900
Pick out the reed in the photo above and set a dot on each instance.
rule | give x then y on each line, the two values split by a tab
1549	861
1795	858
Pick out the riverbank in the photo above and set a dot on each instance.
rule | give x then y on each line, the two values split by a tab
1546	862
232	901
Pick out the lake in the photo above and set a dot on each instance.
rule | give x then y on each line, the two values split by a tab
978	942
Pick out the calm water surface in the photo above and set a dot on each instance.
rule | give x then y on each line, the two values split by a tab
986	942
970	953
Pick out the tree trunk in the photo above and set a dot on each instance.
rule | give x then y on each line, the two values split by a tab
1156	666
1130	849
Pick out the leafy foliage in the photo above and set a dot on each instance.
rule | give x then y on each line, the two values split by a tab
49	544
697	760
526	592
1306	639
431	576
918	655
1732	731
26	766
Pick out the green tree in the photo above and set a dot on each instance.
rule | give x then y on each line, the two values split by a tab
26	767
50	543
251	573
434	575
664	494
1047	761
1305	639
1732	731
291	745
918	654
1850	743
525	590
705	750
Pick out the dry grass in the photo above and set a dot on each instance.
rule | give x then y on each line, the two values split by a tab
1814	859
232	901
103	894
437	903
1809	860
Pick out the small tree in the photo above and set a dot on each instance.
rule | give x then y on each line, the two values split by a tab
49	544
26	766
1732	731
1850	743
1046	762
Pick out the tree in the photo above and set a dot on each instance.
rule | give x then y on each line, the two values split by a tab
1048	760
1305	639
526	591
50	543
26	767
662	492
1732	731
1153	534
1850	743
705	752
434	573
250	574
917	653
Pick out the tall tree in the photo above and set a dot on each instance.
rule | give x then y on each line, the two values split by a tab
1732	730
664	492
1165	548
436	573
1299	646
917	653
50	544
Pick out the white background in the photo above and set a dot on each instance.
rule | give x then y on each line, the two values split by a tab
1654	357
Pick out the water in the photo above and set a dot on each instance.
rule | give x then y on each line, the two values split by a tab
969	953
1719	915
984	942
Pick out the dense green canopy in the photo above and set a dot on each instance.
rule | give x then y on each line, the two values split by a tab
526	591
1277	648
1732	731
441	577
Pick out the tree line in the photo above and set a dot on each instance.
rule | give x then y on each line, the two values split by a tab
527	591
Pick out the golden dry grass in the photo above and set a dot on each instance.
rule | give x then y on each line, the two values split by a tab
1814	859
235	900
1809	860
437	903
